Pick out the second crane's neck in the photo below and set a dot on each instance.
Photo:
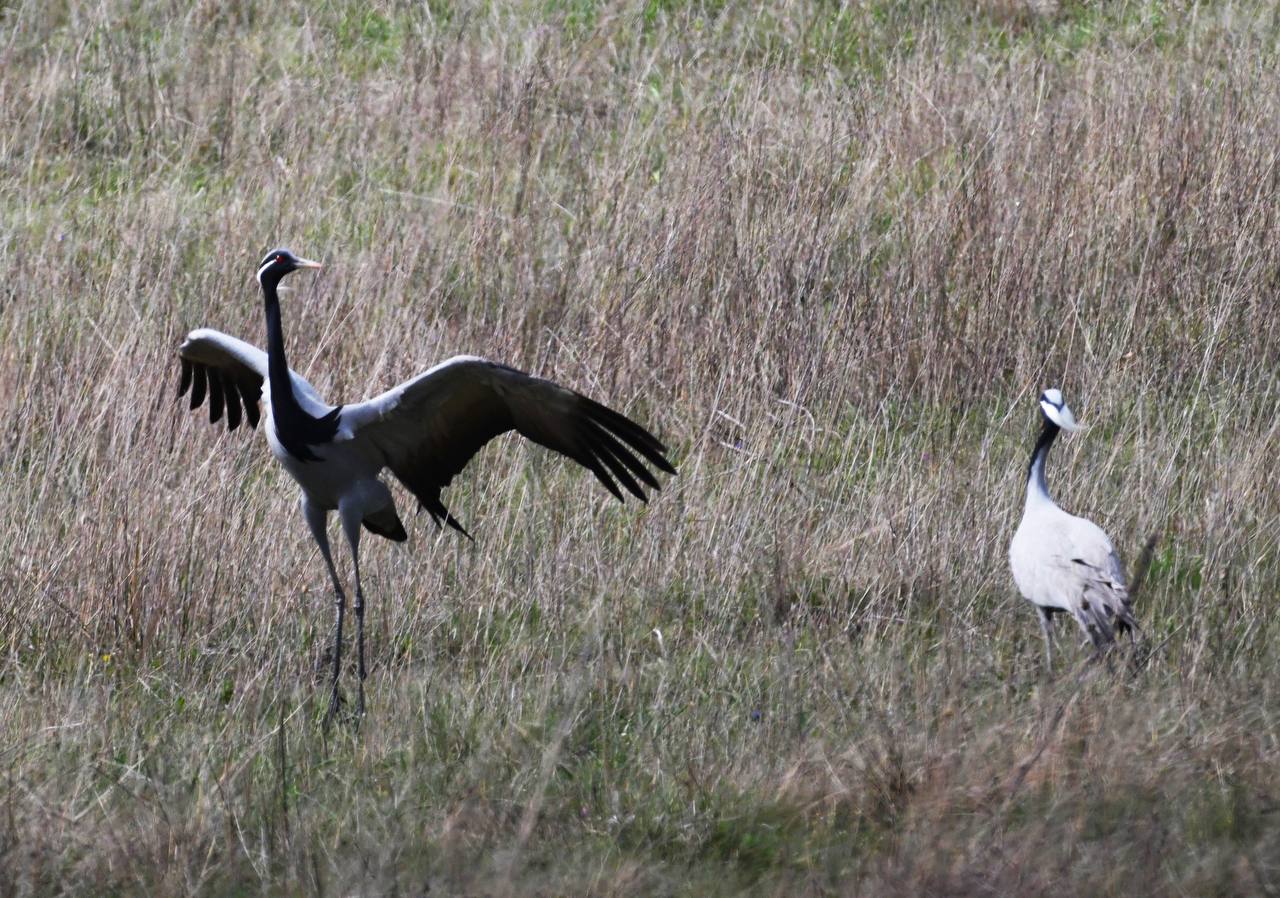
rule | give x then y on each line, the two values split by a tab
1037	487
277	364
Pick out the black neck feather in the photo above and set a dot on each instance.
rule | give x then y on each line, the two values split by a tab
1035	470
296	430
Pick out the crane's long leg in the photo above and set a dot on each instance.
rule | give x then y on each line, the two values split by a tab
1046	627
351	521
316	518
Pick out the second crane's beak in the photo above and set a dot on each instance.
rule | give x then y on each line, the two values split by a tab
307	263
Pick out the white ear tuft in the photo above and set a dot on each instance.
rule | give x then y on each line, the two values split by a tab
1059	414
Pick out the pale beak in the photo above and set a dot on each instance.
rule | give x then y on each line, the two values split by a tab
307	263
1060	416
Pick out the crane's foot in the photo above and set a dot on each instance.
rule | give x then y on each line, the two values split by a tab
360	703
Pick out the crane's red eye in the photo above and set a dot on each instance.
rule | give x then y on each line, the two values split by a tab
279	258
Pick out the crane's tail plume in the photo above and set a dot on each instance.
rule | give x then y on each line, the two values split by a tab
440	516
386	523
1092	618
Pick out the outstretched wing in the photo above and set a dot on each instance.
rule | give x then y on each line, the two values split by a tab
428	428
231	374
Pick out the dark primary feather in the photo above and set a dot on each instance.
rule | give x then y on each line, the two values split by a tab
238	396
215	397
198	390
233	405
251	393
633	433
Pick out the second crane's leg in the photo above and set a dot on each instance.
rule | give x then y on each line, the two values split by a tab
316	519
1046	627
351	525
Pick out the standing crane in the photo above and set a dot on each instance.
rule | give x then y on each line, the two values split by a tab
1063	563
425	430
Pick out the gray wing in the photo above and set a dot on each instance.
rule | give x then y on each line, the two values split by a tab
427	429
232	375
1097	569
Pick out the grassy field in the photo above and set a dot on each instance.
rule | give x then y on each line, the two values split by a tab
830	253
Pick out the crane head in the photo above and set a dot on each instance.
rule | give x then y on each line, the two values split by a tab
1055	409
279	262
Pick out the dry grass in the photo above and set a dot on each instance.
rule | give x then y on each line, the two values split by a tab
830	254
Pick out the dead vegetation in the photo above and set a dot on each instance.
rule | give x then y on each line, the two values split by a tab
830	254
